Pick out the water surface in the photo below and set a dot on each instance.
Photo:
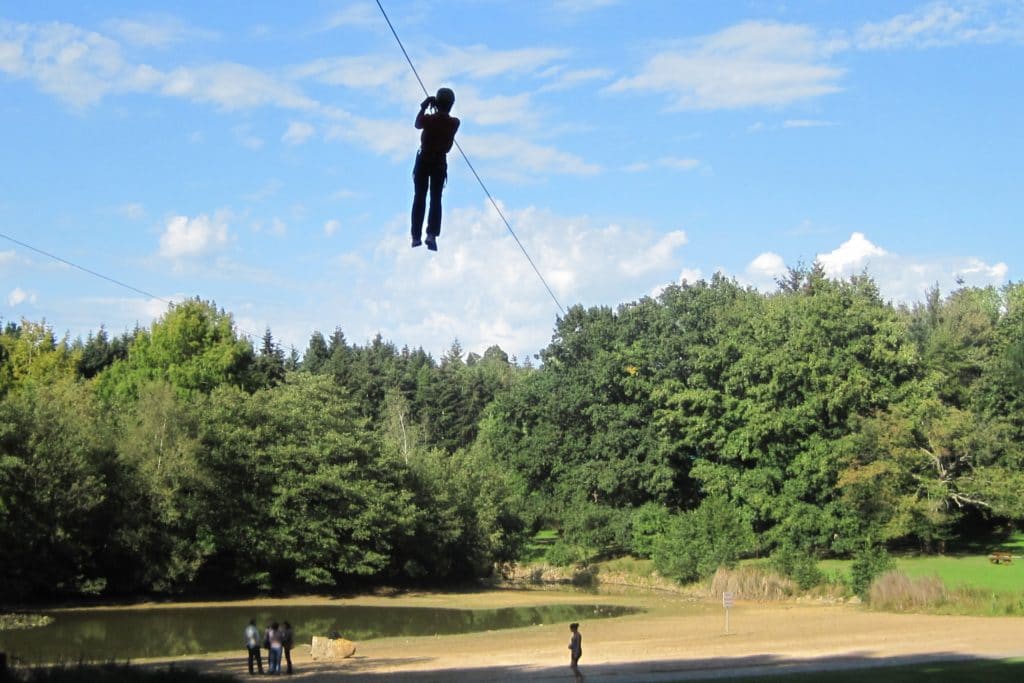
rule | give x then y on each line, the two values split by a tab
120	634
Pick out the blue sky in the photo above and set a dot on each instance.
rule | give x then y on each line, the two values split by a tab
258	154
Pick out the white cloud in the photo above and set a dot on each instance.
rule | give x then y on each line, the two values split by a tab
764	269
656	257
331	227
357	14
159	31
902	278
526	157
7	257
690	275
746	65
941	24
850	257
18	296
298	132
233	86
562	79
73	64
479	275
185	237
678	164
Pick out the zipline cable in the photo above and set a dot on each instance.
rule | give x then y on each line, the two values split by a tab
471	168
85	270
101	275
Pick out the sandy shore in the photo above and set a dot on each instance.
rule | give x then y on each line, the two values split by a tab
674	639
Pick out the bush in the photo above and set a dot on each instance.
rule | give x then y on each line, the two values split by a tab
648	522
599	528
562	554
802	567
699	542
868	562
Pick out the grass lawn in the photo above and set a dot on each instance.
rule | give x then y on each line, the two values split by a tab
989	671
967	571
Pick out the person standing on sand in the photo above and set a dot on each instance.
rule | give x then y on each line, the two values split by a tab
575	650
287	642
274	645
252	643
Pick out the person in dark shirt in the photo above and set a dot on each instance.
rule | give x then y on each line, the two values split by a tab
431	169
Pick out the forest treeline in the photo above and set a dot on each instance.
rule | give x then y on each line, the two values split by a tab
710	423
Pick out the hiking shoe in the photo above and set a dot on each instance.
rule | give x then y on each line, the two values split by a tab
416	243
431	243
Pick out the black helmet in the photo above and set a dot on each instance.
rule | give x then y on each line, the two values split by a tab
445	99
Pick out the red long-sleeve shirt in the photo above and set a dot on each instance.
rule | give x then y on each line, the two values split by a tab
438	132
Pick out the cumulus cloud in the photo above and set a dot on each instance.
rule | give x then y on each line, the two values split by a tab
656	257
331	227
763	271
749	64
185	237
902	278
480	287
850	257
18	296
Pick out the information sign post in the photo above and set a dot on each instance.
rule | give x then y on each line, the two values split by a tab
727	604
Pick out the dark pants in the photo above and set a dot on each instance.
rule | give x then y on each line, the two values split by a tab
254	653
288	657
429	174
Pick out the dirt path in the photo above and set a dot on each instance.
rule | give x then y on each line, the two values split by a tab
674	639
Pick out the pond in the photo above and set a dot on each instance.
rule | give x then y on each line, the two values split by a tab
121	634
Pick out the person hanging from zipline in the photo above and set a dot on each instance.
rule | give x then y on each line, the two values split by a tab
431	169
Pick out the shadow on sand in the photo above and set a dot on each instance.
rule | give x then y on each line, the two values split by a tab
944	666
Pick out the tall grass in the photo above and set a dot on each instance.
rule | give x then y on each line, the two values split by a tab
752	583
895	591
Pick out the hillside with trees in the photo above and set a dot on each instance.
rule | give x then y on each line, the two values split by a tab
711	423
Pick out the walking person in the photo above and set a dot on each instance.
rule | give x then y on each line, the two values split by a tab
431	169
287	642
252	644
575	650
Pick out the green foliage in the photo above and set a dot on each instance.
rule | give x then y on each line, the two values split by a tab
53	464
599	529
798	565
648	522
194	348
870	561
702	540
180	457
